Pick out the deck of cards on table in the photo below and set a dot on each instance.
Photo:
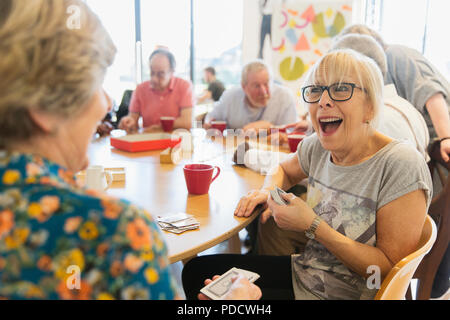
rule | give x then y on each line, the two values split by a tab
178	222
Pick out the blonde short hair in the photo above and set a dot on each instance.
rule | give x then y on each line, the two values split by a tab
336	65
254	66
49	62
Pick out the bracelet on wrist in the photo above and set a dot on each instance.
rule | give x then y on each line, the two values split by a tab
445	138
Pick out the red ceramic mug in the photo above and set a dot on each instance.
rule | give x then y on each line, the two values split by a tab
199	177
294	140
167	123
219	125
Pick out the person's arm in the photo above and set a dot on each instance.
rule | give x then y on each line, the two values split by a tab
257	125
205	96
184	120
218	112
129	122
287	174
438	110
399	227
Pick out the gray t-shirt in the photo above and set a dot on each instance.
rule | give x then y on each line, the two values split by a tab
234	109
415	79
347	198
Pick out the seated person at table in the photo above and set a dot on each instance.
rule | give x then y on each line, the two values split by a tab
397	119
108	124
257	104
164	95
367	198
417	81
215	86
57	240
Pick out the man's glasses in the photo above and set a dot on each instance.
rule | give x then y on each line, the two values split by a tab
159	74
338	92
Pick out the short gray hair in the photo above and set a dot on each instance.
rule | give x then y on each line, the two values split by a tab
363	29
48	64
253	66
364	44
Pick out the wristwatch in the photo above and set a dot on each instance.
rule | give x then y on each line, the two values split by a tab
311	232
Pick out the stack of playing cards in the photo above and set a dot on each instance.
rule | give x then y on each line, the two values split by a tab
276	196
178	223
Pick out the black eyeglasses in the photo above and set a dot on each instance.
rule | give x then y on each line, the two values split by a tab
338	92
159	74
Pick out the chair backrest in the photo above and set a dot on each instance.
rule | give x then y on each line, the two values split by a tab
396	283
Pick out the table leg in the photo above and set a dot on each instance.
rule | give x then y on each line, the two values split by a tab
234	244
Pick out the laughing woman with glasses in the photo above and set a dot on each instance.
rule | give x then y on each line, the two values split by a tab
367	195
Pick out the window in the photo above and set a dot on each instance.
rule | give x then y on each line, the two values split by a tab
120	25
406	28
217	40
437	34
166	23
419	24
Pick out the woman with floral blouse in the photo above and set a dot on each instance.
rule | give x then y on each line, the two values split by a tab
57	240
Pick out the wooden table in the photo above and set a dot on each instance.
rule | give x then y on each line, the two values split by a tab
161	189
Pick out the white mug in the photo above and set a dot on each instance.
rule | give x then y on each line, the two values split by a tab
95	178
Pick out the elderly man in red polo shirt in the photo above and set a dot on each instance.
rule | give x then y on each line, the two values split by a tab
164	95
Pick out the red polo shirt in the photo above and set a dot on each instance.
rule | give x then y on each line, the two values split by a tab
152	104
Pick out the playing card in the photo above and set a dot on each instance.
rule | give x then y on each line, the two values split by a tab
185	223
174	217
219	287
276	196
251	276
178	223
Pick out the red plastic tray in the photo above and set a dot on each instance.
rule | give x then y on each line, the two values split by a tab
144	142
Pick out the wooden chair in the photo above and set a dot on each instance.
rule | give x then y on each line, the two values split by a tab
396	283
440	212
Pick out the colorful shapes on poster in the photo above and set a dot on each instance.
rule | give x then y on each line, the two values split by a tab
318	52
315	39
285	19
321	31
293	12
280	47
329	12
298	26
346	8
318	26
291	72
338	25
291	36
302	43
292	23
308	14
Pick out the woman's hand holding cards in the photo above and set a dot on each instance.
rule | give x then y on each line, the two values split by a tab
296	215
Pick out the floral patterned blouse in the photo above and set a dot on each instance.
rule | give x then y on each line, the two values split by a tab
60	241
